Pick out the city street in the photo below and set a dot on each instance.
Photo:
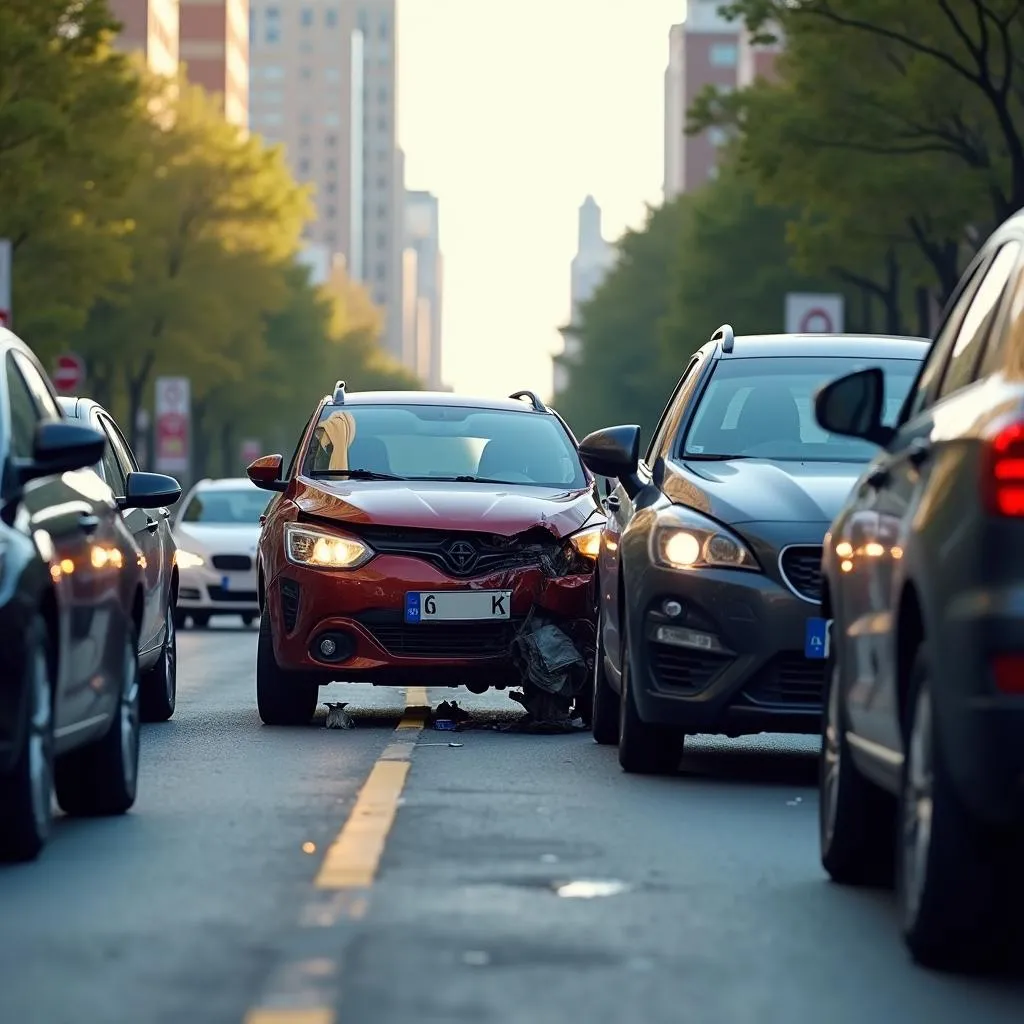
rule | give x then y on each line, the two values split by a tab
698	898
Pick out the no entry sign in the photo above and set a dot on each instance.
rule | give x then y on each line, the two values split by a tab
808	313
68	373
173	425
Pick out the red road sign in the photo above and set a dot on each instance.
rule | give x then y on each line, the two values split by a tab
816	321
69	373
5	318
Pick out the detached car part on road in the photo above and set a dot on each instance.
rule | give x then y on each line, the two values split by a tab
709	568
72	602
151	528
430	539
924	578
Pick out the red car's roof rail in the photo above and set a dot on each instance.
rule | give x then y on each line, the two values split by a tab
537	404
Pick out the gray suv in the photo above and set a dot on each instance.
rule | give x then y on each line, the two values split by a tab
924	725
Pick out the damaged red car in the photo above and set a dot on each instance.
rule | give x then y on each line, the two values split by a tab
429	539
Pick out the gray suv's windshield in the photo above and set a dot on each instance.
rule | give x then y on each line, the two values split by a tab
763	408
443	442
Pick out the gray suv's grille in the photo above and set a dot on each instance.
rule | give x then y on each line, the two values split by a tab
801	569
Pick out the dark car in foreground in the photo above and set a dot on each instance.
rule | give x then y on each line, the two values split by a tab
72	598
151	528
923	764
426	538
709	568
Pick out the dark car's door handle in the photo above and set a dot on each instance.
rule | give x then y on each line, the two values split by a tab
611	503
152	525
879	478
918	452
88	523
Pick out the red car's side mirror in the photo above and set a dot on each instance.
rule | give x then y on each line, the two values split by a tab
265	472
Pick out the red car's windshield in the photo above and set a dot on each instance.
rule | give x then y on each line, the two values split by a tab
431	442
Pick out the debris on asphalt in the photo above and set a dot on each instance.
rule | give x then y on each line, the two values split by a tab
444	725
448	715
338	717
554	673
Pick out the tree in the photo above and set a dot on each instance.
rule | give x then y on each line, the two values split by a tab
214	218
898	119
67	101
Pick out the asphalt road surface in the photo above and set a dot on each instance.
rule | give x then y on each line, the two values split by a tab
507	878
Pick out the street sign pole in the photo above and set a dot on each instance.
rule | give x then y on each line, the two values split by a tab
6	259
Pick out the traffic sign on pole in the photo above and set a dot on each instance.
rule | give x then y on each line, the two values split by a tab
6	250
68	373
173	422
808	313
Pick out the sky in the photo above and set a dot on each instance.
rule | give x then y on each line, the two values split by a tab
511	112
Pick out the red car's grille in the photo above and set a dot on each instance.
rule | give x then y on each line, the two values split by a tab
462	554
445	640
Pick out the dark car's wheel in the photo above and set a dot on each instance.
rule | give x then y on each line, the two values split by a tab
160	683
26	792
856	819
951	874
644	749
102	778
282	697
604	723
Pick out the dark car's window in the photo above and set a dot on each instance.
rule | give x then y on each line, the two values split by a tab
25	414
669	422
763	408
1005	350
121	450
977	321
112	472
41	394
223	507
444	442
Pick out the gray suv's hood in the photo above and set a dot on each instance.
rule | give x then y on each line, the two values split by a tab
758	491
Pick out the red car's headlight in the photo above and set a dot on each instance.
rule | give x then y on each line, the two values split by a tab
587	543
318	549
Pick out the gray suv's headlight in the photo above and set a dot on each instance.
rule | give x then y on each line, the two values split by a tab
683	539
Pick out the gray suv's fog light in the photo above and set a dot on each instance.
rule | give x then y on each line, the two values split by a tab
680	636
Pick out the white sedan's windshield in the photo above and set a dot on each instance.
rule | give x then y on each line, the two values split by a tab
763	408
435	442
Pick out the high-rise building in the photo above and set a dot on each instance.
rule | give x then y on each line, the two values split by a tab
756	60
150	27
423	270
324	83
703	50
593	260
215	50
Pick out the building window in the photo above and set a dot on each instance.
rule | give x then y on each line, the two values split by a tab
332	119
331	188
273	72
364	22
382	240
332	164
272	35
382	271
717	136
305	46
306	74
382	183
304	141
382	94
331	212
252	29
271	118
382	211
382	124
723	55
273	13
331	18
332	75
306	17
384	30
306	118
331	141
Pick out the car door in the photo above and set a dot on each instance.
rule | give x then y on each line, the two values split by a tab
60	511
907	482
149	527
621	507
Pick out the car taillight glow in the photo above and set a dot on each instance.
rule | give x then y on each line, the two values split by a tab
1008	672
1004	483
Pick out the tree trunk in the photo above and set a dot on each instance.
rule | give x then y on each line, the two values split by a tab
923	303
229	457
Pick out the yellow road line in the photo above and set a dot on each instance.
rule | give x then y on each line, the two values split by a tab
352	860
313	1016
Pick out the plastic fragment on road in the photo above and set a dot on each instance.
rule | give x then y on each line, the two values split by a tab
444	725
338	717
448	716
554	673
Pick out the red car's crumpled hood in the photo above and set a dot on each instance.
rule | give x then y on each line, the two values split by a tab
446	506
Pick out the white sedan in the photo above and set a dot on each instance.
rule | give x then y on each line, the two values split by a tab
216	531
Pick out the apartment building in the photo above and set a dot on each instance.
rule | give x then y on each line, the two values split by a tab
703	51
423	283
324	83
755	60
214	48
150	27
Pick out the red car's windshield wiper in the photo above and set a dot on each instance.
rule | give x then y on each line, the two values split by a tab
355	474
468	480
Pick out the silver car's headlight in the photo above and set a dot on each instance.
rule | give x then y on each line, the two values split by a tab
317	549
187	559
683	539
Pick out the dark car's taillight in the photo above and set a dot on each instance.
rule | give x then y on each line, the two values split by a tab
1003	479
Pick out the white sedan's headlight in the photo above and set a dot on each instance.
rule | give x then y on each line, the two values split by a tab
188	560
318	549
587	542
682	539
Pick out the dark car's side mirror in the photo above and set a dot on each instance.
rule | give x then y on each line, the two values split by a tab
62	447
265	472
614	452
853	406
149	490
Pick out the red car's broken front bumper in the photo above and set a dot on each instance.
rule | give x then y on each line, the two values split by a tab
363	612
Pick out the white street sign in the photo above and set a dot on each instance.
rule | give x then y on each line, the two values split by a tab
5	282
173	425
814	314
